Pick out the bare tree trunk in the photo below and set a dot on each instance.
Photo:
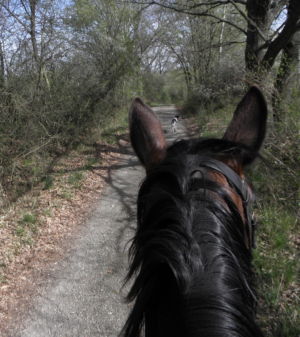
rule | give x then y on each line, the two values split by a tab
286	75
2	67
259	14
257	11
290	28
3	197
222	34
32	5
37	58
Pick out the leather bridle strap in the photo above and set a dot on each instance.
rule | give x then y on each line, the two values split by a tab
241	188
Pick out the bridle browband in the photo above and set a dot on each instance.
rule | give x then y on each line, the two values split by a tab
241	187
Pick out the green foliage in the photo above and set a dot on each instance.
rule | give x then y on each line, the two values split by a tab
48	110
115	127
153	88
213	118
85	13
48	182
163	88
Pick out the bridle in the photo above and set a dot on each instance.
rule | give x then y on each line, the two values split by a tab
241	187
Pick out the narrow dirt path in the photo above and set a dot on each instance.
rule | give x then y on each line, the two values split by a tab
82	295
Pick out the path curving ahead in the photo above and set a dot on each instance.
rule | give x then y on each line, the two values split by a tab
83	295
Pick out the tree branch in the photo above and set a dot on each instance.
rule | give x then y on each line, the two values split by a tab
217	45
248	19
15	17
291	26
189	7
204	13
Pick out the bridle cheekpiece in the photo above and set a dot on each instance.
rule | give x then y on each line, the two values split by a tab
241	187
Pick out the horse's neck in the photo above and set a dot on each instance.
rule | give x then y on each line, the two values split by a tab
215	289
164	316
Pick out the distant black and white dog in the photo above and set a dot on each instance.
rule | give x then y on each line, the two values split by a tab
174	123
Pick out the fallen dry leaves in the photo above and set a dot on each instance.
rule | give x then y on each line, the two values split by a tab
34	231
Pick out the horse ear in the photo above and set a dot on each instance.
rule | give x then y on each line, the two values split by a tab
146	134
248	125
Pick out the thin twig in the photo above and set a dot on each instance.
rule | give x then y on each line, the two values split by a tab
36	148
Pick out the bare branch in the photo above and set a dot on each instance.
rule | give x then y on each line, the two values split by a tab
15	16
217	45
189	7
268	42
25	8
204	13
290	27
219	20
220	2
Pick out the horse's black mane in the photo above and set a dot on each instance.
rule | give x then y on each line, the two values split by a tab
189	249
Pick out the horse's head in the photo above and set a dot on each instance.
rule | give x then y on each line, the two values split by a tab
192	248
247	128
238	147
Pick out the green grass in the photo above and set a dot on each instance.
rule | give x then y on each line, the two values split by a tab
277	267
68	195
47	212
26	228
91	162
212	120
3	279
48	182
75	179
28	219
276	260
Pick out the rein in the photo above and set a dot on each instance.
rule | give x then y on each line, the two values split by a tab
241	187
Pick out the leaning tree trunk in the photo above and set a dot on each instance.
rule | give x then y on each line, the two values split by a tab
287	72
260	54
257	12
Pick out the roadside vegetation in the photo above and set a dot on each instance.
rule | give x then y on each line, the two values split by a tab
34	229
276	258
